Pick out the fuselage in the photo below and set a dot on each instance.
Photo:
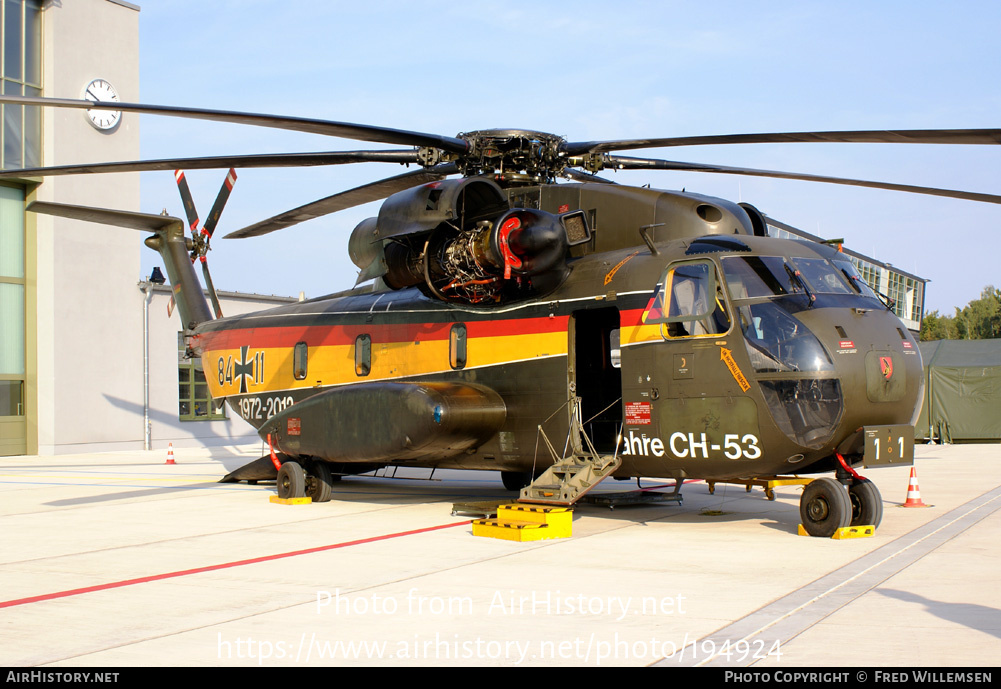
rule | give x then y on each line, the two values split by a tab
712	360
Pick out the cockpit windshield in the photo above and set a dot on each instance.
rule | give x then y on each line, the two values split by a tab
768	292
749	277
849	270
794	370
759	276
822	276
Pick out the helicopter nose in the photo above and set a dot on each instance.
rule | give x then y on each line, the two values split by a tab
878	364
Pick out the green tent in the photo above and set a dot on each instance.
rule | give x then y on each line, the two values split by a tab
962	400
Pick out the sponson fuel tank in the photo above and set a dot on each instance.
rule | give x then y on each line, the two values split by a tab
388	421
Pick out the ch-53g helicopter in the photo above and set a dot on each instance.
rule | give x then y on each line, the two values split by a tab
652	333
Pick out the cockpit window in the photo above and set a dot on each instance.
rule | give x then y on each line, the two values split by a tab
822	276
777	342
849	270
760	276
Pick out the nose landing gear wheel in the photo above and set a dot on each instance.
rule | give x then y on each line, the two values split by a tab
291	481
318	482
825	507
867	503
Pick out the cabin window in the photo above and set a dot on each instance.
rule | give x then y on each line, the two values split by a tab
689	302
194	403
363	355
299	360
457	346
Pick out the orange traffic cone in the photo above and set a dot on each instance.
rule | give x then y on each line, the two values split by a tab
913	491
170	455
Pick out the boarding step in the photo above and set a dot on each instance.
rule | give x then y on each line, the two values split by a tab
518	522
769	483
566	481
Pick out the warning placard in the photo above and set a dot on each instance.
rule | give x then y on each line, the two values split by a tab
638	413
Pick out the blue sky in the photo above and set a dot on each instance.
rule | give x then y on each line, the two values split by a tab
590	70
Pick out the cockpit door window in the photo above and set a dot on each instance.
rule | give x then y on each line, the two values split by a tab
689	302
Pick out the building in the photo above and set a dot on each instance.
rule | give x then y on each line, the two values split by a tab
62	282
71	310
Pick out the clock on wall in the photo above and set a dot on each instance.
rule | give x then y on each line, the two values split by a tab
102	90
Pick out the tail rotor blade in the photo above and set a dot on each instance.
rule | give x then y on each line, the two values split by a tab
201	242
211	288
189	203
220	203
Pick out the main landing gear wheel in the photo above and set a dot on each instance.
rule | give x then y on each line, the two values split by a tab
867	503
516	480
318	482
291	481
825	507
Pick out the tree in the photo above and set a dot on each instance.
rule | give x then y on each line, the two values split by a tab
978	320
936	327
981	318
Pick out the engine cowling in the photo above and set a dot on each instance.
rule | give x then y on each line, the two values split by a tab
460	241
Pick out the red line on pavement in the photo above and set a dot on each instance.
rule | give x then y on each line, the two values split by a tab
213	568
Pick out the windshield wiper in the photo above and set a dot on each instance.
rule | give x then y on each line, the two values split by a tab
795	275
854	280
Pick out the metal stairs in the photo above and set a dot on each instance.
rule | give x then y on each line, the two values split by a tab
572	476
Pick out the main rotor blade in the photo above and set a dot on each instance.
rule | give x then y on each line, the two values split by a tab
146	222
346	199
625	163
899	136
261	160
347	130
581	176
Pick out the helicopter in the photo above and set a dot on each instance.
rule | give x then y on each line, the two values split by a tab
651	332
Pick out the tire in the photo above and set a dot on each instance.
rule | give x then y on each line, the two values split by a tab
516	480
867	503
318	482
825	507
291	481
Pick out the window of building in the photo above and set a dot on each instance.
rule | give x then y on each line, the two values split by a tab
897	291
12	316
193	400
21	75
363	355
457	346
918	302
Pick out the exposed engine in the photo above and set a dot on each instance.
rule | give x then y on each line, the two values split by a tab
460	241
